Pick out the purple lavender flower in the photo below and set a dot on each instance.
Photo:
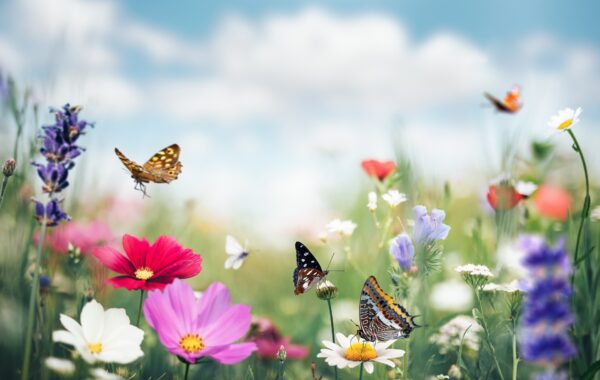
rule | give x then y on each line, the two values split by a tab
429	228
551	375
402	249
54	176
50	214
547	314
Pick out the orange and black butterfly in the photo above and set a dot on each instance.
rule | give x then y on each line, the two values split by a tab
381	318
510	104
163	167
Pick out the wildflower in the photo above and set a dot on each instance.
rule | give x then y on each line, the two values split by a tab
452	295
326	290
193	328
269	341
9	167
394	197
547	315
595	214
103	335
50	214
54	176
512	287
565	119
459	329
372	204
429	228
60	366
526	188
475	275
378	169
148	266
351	355
83	237
403	251
503	197
342	227
553	202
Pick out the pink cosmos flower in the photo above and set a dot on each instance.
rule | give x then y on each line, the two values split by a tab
86	237
191	327
268	340
148	266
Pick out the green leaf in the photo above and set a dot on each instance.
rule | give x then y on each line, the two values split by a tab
580	260
591	372
249	374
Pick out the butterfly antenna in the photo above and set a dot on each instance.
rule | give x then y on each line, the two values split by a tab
329	263
412	320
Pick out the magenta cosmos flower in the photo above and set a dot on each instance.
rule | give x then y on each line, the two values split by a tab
146	266
192	328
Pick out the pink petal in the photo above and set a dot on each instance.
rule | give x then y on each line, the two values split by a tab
235	353
162	318
231	326
127	282
214	302
184	264
136	250
114	260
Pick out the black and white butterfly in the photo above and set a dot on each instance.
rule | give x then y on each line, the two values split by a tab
381	318
308	272
236	253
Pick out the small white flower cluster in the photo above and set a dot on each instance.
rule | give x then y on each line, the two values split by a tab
342	227
475	270
394	198
372	204
449	336
511	287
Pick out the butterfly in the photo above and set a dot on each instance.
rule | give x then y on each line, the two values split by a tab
163	167
510	104
381	318
308	272
236	253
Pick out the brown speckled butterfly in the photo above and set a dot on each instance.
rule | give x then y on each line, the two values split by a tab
163	167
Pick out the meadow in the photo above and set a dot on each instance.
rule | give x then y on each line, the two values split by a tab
499	284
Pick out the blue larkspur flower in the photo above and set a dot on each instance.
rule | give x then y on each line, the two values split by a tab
49	214
547	315
403	251
429	227
54	176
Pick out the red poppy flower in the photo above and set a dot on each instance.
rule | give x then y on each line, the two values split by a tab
503	197
553	202
379	169
148	266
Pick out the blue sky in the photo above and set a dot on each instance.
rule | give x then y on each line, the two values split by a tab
275	103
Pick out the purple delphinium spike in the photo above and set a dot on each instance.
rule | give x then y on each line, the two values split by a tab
429	227
50	214
403	251
547	315
54	176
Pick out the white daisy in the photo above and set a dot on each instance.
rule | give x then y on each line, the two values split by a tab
60	366
352	351
342	227
105	336
565	119
394	197
372	204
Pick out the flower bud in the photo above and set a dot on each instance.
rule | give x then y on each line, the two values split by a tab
9	166
281	354
454	372
326	290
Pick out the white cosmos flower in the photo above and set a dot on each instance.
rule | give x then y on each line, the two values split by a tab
342	227
525	188
372	205
351	352
565	119
105	336
394	197
102	374
61	366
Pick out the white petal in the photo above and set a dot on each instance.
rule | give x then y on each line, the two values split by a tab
73	327
577	112
381	346
121	355
63	336
385	361
369	367
92	321
331	345
352	363
391	353
342	340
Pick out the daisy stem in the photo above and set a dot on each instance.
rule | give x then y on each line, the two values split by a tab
487	334
187	369
332	331
35	289
360	374
586	203
137	322
405	362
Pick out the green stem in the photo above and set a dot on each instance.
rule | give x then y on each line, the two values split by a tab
405	362
487	335
332	332
187	371
35	289
137	322
586	203
280	370
515	358
3	190
360	374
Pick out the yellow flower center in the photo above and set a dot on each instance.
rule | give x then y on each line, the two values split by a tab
191	343
144	273
360	352
565	124
95	348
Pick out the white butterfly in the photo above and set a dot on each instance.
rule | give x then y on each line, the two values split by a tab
236	253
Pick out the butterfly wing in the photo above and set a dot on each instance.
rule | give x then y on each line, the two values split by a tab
137	171
164	165
367	312
232	246
308	271
497	103
511	100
